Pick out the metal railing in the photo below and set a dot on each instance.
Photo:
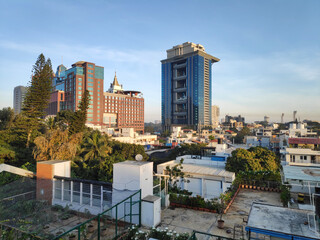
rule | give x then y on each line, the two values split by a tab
111	223
82	192
202	235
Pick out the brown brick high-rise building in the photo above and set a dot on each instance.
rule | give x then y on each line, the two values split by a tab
56	102
123	109
85	76
113	109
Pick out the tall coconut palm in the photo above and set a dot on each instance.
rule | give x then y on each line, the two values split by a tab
95	147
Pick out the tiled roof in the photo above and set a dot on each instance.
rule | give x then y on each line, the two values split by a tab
304	141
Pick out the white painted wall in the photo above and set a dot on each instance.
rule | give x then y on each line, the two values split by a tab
62	169
134	175
151	212
212	189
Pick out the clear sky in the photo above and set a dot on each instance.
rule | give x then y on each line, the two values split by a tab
269	50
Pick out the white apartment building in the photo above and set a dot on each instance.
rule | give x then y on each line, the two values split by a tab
301	157
215	114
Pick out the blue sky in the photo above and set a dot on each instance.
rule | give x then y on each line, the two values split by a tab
269	50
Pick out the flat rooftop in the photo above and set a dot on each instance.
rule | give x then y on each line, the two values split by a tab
133	163
186	220
197	169
308	174
54	161
278	219
304	151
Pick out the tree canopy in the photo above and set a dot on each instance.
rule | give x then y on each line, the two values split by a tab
79	118
253	159
245	131
38	94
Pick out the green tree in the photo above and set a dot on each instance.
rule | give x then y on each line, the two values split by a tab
56	144
95	146
245	131
285	195
187	149
6	118
38	95
211	137
79	118
63	119
253	159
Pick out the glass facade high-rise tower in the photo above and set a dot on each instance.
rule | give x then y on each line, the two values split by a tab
186	86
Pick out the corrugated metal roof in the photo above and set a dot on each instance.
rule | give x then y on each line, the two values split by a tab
204	170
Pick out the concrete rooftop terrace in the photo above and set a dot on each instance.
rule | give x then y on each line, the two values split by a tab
275	219
186	220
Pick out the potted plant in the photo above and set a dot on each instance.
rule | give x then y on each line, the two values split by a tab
90	228
104	231
221	208
72	236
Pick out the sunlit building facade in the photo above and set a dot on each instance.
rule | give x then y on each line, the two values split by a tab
186	86
123	109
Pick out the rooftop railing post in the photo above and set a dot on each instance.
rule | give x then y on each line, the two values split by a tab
101	199
71	191
131	210
62	189
53	188
140	208
116	220
99	227
91	190
81	186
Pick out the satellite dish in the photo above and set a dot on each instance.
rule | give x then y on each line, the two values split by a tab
139	157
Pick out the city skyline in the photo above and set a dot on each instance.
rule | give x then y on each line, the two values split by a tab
269	51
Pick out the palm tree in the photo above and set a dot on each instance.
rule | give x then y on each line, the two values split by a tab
95	146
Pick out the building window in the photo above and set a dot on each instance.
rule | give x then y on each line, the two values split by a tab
90	79
90	89
80	88
90	84
79	79
305	157
80	92
90	71
90	75
301	157
90	65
